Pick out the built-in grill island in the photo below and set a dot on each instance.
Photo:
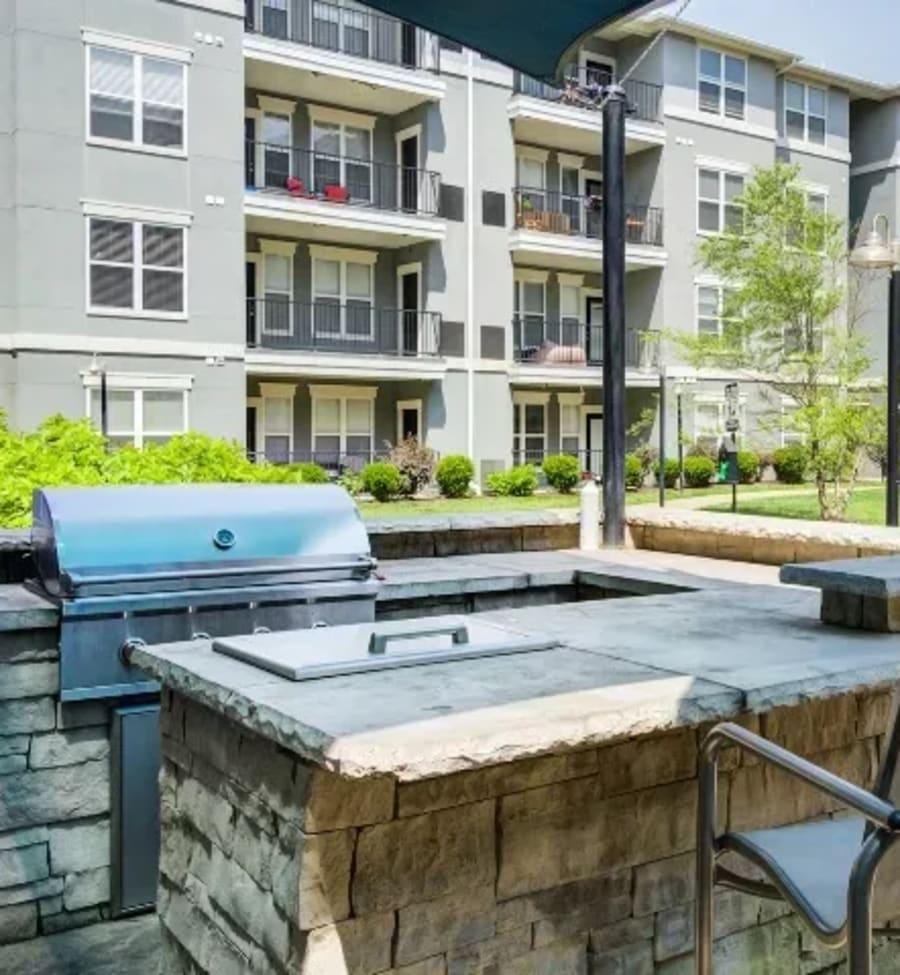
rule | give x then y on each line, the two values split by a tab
131	566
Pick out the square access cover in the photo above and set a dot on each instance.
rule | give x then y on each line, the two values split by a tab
331	651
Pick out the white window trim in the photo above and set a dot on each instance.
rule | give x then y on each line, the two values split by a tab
142	214
720	302
521	399
326	253
137	264
806	85
283	248
568	161
573	280
788	404
721	81
587	411
275	248
269	105
533	154
138	49
529	277
402	271
409	404
340	116
723	171
342	394
531	274
565	400
273	391
342	261
584	56
138	384
412	131
136	45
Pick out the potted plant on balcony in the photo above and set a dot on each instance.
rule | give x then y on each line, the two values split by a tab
529	218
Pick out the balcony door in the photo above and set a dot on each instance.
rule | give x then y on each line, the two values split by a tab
409	281
593	317
408	170
593	204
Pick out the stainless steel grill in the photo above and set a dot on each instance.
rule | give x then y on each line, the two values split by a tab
160	564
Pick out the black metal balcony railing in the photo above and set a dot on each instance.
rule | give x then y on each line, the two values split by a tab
354	328
582	216
582	88
341	180
569	343
591	460
346	30
336	462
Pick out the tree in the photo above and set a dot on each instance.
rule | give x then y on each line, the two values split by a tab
789	319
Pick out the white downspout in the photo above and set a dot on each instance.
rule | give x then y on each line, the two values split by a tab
470	257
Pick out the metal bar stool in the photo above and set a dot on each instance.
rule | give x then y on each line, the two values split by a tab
825	870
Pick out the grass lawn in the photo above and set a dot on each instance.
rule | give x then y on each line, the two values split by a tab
446	506
866	506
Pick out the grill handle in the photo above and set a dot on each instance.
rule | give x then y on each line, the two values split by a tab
128	647
378	641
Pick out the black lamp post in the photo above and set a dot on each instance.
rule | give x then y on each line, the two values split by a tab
876	253
614	109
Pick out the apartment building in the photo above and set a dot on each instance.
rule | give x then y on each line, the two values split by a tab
315	229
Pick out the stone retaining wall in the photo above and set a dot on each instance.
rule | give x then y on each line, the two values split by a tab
578	863
748	538
54	795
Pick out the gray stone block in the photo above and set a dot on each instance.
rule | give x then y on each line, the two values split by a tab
55	794
18	922
31	892
448	922
12	763
80	714
634	959
86	889
68	747
27	716
79	846
23	865
30	836
29	680
664	884
28	646
50	905
14	745
67	920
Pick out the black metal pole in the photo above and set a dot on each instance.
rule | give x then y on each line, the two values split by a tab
733	480
104	406
662	440
893	398
614	315
680	442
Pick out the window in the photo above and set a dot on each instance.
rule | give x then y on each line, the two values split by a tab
711	301
343	27
137	416
342	294
343	426
789	433
717	192
136	267
278	284
804	112
278	428
135	99
529	317
342	156
276	149
817	202
531	177
529	431
722	83
570	197
569	421
708	421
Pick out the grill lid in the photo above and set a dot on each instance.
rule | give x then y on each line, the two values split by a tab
178	536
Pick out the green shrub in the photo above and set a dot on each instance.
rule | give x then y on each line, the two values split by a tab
382	480
671	474
454	475
634	472
748	466
311	473
415	462
698	471
563	472
65	452
791	463
517	482
351	482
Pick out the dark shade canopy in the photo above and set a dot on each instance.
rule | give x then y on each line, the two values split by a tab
532	36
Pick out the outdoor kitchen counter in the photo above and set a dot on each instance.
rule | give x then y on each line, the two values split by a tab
623	668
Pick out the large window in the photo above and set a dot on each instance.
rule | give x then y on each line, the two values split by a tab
529	430
343	425
342	293
278	282
804	112
135	99
138	416
529	307
722	83
136	267
717	192
343	157
569	426
711	302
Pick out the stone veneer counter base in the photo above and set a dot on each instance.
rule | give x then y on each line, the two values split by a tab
526	815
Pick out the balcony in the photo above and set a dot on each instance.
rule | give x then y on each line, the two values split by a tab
333	339
541	346
327	52
570	118
339	198
564	230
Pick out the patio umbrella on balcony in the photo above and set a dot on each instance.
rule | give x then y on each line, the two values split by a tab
538	39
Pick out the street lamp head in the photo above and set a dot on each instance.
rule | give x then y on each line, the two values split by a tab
875	252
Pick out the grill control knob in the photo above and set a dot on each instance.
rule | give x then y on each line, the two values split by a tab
319	624
200	635
224	538
261	629
132	643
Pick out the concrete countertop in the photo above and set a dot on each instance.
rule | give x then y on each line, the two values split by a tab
878	577
625	667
